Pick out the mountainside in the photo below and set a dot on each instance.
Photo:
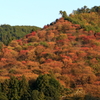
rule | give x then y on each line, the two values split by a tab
65	49
9	33
88	21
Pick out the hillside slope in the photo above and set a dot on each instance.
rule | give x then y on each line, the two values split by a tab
9	33
62	48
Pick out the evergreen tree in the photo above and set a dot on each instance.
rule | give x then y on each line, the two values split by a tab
5	86
1	45
49	86
36	95
24	89
3	96
63	13
13	89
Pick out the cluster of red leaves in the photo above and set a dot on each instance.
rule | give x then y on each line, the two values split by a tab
31	34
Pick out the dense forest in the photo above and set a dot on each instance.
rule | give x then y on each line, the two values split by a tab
85	17
9	33
61	61
46	87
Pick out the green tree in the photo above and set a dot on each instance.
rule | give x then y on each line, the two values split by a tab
24	89
3	96
36	95
5	86
49	86
63	13
13	89
1	45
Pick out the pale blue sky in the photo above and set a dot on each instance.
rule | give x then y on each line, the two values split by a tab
38	12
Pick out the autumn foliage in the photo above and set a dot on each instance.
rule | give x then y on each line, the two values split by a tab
68	50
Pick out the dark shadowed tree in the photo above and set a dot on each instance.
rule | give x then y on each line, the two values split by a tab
24	89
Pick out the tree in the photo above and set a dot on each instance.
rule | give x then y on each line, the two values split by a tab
36	95
63	13
3	96
5	86
1	45
49	86
24	89
13	89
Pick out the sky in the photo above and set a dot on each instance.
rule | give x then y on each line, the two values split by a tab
38	12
